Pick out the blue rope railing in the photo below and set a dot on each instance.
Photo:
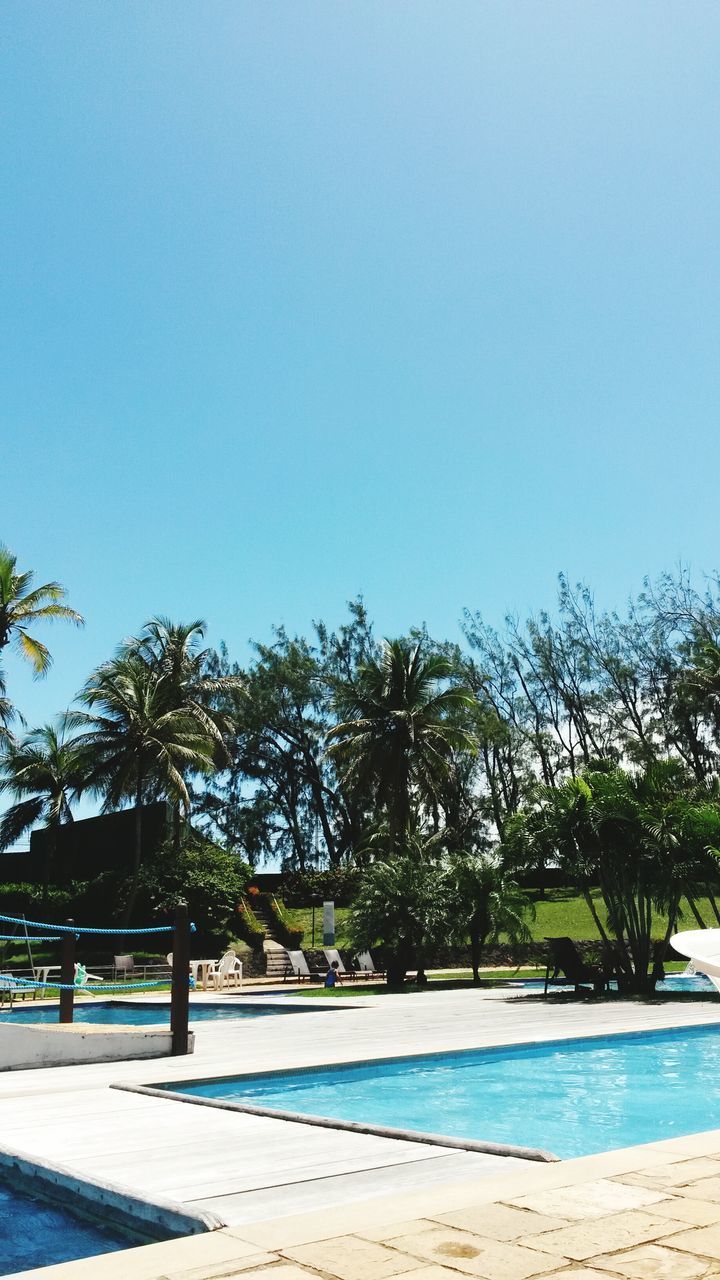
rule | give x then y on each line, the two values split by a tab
79	930
30	983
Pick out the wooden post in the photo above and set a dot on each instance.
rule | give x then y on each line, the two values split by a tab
180	991
67	974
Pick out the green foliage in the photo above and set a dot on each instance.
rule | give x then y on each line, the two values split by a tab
211	881
22	605
338	885
488	903
29	899
45	773
405	903
288	934
397	733
248	927
642	837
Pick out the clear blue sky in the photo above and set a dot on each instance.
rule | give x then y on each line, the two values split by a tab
305	298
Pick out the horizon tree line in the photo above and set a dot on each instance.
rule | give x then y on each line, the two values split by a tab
570	738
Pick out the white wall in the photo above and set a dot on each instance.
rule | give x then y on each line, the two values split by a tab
25	1045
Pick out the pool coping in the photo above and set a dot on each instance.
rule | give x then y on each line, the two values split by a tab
349	1126
145	1217
509	1150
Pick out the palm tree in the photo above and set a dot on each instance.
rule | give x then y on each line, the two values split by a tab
137	745
489	903
643	838
398	729
21	606
172	651
7	715
44	771
405	903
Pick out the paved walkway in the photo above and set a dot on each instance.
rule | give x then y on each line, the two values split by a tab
646	1213
267	1179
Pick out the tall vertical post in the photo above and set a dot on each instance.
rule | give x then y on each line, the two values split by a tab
180	990
67	975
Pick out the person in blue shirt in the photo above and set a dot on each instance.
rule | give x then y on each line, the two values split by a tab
332	977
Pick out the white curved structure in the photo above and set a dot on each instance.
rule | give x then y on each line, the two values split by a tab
702	946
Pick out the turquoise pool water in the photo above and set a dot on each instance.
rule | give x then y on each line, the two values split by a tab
569	1097
674	982
34	1233
121	1013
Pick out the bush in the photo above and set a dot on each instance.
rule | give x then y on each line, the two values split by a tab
288	935
211	880
31	900
247	925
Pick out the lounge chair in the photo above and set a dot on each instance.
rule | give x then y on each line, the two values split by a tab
566	965
10	988
332	955
124	965
227	972
366	966
299	967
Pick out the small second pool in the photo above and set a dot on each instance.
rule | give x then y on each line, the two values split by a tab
122	1013
37	1233
571	1097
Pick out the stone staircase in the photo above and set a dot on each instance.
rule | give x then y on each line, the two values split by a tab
277	961
263	913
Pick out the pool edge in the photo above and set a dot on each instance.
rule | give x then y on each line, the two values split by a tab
130	1210
536	1154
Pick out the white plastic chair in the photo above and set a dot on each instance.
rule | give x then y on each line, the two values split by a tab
123	965
226	973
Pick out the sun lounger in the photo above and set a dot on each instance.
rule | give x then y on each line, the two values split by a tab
566	965
299	967
366	966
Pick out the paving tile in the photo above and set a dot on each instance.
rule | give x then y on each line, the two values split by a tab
350	1258
702	1240
653	1262
223	1269
579	1273
390	1229
501	1221
698	1213
283	1271
704	1189
676	1174
588	1199
584	1240
475	1255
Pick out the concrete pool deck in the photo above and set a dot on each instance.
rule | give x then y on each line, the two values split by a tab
271	1182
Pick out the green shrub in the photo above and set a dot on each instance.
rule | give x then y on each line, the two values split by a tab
211	881
247	926
288	935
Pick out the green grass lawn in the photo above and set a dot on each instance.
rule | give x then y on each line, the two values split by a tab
301	918
562	913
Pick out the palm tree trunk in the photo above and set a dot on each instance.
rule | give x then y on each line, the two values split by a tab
137	855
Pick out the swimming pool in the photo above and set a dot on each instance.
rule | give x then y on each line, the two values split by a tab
36	1233
116	1013
571	1097
697	982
